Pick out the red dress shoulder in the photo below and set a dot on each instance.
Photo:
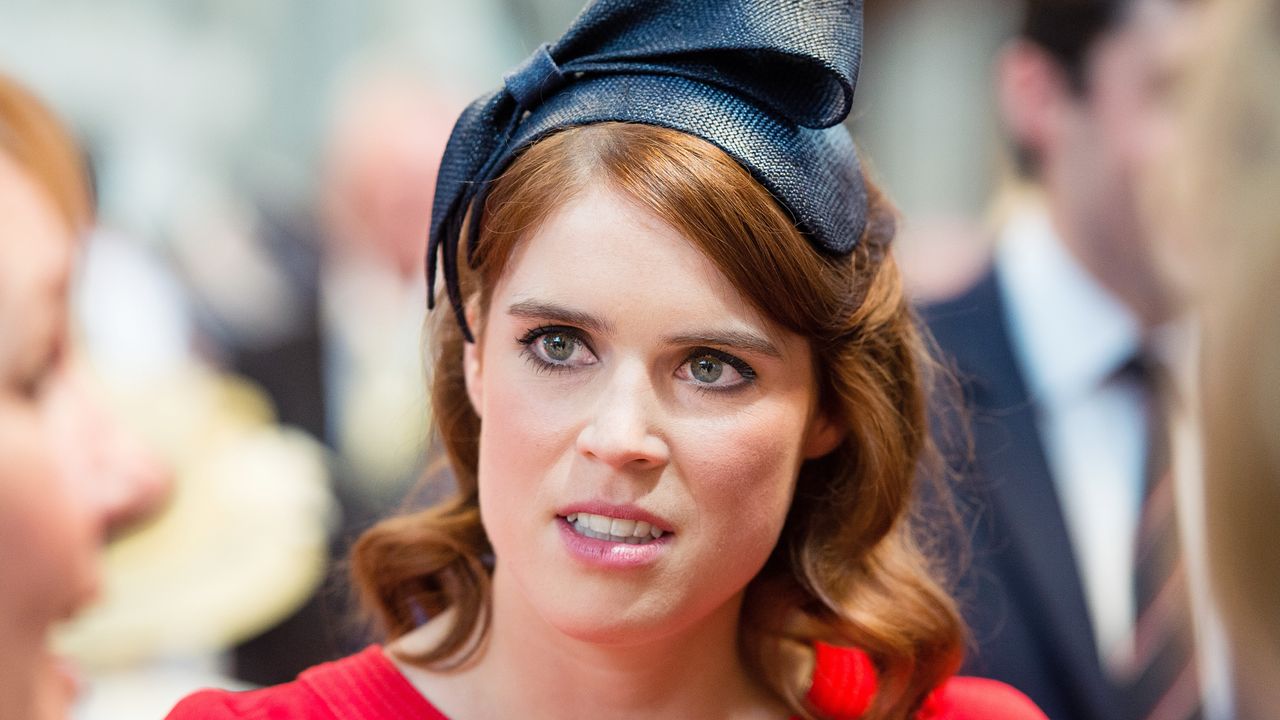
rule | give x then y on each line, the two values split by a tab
366	685
369	687
844	684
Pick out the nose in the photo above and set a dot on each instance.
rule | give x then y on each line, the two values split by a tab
623	431
137	484
121	481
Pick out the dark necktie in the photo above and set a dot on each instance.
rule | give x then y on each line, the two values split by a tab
1162	683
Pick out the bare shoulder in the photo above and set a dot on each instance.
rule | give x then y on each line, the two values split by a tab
458	692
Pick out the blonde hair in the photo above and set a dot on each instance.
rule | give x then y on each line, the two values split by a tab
1229	178
846	569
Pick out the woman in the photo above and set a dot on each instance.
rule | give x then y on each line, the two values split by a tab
1226	228
62	484
681	398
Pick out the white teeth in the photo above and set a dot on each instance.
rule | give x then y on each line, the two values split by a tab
602	527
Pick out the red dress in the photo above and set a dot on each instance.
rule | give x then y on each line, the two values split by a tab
367	686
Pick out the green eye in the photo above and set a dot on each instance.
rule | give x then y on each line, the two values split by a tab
556	349
558	346
706	369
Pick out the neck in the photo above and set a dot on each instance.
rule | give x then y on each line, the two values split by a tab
529	664
31	685
17	690
1119	260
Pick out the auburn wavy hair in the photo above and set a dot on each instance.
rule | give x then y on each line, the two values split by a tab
846	569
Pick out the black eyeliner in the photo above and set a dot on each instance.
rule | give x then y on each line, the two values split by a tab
534	333
746	371
526	341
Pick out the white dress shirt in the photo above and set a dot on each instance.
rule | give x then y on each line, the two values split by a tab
1070	336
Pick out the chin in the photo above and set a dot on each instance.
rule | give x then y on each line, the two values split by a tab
604	626
605	611
624	614
55	691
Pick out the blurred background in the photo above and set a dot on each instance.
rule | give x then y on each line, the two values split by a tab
198	115
251	302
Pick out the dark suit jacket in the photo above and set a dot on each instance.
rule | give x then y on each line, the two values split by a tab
290	371
1021	593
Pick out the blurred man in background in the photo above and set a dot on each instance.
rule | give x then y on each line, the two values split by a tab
1081	588
348	367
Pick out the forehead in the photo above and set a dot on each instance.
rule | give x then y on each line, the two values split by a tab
1145	22
1128	64
32	226
605	254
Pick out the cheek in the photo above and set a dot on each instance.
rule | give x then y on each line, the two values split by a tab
48	547
524	419
526	435
742	477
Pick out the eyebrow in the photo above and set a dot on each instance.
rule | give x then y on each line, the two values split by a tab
536	310
729	338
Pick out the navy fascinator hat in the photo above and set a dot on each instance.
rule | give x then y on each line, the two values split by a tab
766	81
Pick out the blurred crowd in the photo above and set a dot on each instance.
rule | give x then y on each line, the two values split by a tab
212	229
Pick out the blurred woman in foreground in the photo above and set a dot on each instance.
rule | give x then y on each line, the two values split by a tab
61	488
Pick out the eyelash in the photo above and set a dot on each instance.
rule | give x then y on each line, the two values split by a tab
526	340
747	372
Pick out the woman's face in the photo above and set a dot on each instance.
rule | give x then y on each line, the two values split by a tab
642	425
41	528
54	510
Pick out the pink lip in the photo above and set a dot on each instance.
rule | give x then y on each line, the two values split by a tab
622	512
609	555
